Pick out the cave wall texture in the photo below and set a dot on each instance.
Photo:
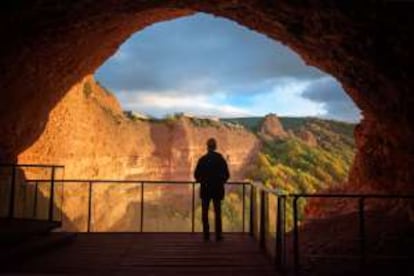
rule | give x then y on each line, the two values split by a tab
49	45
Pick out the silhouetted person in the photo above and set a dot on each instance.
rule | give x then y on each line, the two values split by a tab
212	173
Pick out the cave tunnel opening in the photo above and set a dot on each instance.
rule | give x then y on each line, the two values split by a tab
46	55
53	54
200	67
367	47
183	66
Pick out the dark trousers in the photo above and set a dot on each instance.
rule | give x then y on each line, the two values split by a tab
205	203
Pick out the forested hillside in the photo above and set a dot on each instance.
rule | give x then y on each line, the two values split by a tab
301	155
293	164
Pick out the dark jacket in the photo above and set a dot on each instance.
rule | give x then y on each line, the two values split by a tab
212	173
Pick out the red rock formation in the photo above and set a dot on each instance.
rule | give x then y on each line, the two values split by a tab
89	134
366	45
271	129
307	137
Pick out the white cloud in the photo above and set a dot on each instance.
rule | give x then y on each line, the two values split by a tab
198	49
210	66
162	103
285	99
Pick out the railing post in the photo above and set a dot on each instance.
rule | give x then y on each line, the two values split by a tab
252	219
35	200
52	195
262	237
142	206
243	207
62	202
89	206
295	236
193	209
280	222
284	231
361	214
12	192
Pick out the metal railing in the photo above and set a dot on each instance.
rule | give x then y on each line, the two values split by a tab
256	208
266	210
16	177
253	195
361	214
281	228
261	211
92	185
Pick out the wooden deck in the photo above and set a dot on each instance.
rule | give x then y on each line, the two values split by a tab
152	254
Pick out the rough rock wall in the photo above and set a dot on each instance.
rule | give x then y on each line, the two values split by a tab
384	161
89	134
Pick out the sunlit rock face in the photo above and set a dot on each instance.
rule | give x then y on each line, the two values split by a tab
88	132
367	46
180	144
271	129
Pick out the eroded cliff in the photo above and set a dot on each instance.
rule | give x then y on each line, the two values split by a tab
89	134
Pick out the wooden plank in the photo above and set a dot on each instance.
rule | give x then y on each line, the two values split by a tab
153	254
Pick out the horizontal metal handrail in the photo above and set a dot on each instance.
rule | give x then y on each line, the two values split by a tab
262	187
277	192
31	165
256	184
347	195
106	181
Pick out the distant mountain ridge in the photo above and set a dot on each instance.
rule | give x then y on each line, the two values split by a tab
328	133
292	123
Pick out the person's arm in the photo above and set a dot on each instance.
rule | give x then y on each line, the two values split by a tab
226	173
197	172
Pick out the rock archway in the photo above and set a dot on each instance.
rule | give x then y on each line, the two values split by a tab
49	45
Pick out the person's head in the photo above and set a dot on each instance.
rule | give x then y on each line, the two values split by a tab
211	144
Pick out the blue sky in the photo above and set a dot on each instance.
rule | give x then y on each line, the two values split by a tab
210	66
